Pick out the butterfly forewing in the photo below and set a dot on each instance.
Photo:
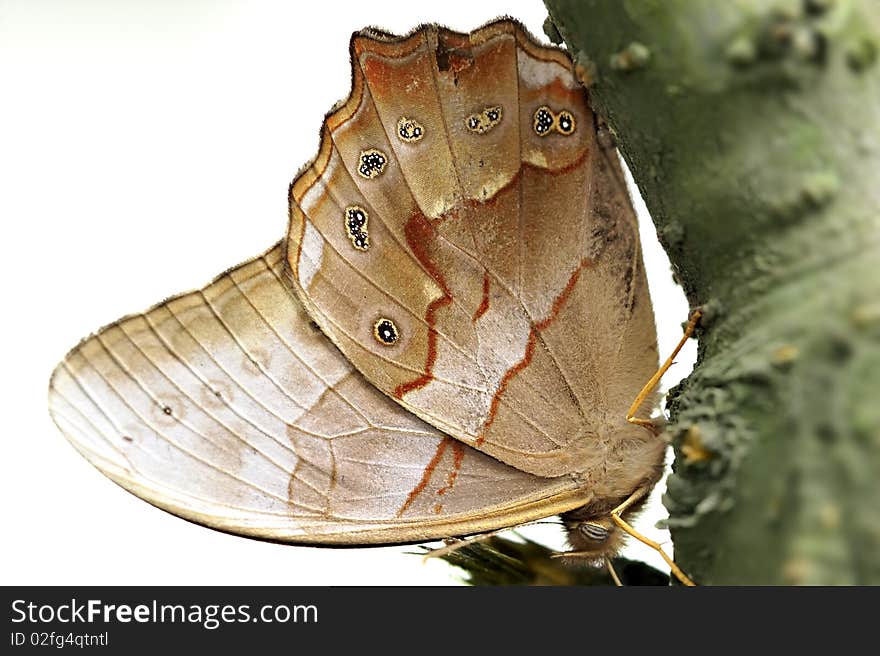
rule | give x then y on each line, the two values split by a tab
504	263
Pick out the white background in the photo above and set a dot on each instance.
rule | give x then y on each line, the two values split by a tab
145	146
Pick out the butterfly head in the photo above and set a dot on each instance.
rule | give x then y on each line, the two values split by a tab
596	537
592	533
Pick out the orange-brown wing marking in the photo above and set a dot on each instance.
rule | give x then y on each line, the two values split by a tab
426	475
530	349
484	302
419	233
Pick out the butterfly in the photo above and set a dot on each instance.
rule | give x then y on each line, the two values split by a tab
448	341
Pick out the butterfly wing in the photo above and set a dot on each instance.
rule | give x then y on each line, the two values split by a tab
228	407
491	281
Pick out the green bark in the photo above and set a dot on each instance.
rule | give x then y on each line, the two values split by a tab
752	128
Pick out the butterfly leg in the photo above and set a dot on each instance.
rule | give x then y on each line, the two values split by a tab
651	384
624	526
613	572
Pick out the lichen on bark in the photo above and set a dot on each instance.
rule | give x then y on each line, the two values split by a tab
752	129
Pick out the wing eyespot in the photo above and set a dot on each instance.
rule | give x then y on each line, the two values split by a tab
372	163
543	121
385	331
565	122
356	221
409	130
488	118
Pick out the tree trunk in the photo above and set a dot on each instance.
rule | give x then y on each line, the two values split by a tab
753	131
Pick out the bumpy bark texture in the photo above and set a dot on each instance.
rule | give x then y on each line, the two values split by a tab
752	128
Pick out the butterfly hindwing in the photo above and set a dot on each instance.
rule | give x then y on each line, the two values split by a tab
227	406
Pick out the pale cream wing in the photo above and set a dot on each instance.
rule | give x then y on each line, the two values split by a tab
228	407
471	249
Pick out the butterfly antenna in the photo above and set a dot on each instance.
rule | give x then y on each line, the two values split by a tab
458	543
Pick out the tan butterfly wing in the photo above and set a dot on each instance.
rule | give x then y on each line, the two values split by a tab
496	288
226	406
